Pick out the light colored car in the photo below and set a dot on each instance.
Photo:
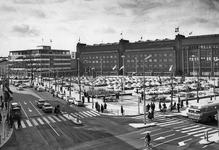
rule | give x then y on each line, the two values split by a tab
20	88
71	100
78	103
47	107
40	103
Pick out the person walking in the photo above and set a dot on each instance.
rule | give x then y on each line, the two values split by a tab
2	105
122	110
178	107
187	102
0	118
105	106
102	108
148	107
160	107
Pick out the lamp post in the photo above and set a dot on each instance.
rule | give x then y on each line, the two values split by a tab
123	62
101	66
136	66
214	76
85	67
144	88
79	84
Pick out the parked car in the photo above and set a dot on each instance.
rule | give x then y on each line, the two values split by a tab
65	97
61	95
47	107
71	100
40	89
20	88
78	103
40	103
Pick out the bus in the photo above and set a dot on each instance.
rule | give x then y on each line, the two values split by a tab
203	112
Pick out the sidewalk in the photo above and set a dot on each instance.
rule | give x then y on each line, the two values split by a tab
5	131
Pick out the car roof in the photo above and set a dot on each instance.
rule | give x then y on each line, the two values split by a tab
46	103
41	100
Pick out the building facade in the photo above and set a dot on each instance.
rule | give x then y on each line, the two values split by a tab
43	61
193	55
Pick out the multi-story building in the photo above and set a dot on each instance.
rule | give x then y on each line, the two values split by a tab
42	61
187	55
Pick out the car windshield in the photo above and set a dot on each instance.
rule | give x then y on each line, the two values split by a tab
42	101
47	105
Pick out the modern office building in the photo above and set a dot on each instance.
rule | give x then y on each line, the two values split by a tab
42	61
192	55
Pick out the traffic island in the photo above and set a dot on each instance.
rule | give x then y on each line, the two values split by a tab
74	120
209	140
142	125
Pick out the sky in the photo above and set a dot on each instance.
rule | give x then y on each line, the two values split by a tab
25	24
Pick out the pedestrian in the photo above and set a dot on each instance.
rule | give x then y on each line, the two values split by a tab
148	107
88	98
3	105
1	98
105	106
160	107
102	108
171	106
164	106
181	104
83	99
187	102
142	95
0	117
122	110
19	122
174	105
6	106
153	106
178	107
11	121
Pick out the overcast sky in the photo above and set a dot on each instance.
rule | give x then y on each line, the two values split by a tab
25	24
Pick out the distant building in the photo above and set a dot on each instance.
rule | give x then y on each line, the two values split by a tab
193	55
43	61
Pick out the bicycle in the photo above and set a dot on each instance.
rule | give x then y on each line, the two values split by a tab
148	146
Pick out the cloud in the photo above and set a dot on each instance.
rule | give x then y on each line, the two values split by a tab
25	30
37	1
113	10
7	8
38	13
105	30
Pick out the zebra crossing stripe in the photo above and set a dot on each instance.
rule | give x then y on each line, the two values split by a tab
35	123
56	118
62	118
23	125
47	121
191	133
169	124
151	131
87	114
212	131
82	113
181	126
50	118
73	115
95	112
92	114
79	115
209	135
40	120
188	128
166	122
195	129
29	123
16	125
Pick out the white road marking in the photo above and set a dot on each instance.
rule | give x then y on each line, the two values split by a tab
163	123
29	123
169	124
92	114
191	133
56	118
95	112
203	133
62	118
79	115
188	127
87	114
151	131
82	113
34	122
40	120
22	124
35	108
24	111
73	115
50	118
47	121
192	130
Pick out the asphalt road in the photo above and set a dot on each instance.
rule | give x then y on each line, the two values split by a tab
48	132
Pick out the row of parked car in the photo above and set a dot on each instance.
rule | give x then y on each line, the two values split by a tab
46	106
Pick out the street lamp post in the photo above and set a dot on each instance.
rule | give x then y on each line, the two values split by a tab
79	84
144	88
136	66
123	62
85	67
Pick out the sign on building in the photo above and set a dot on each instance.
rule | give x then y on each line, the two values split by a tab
72	55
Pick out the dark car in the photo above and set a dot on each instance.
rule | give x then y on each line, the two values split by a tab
40	103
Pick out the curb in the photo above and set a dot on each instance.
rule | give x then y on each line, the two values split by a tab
7	138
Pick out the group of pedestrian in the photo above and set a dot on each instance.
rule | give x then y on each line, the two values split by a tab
150	110
100	107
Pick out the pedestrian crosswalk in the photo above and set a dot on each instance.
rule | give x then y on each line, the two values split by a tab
183	126
53	119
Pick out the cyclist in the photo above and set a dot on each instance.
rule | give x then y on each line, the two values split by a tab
147	139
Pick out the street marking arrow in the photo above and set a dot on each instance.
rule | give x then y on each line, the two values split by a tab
25	103
163	137
29	110
181	143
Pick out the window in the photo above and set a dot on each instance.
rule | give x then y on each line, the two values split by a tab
128	61
155	60
155	55
111	56
165	60
164	54
170	60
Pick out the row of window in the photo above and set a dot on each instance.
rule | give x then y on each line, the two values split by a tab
201	46
128	56
134	66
